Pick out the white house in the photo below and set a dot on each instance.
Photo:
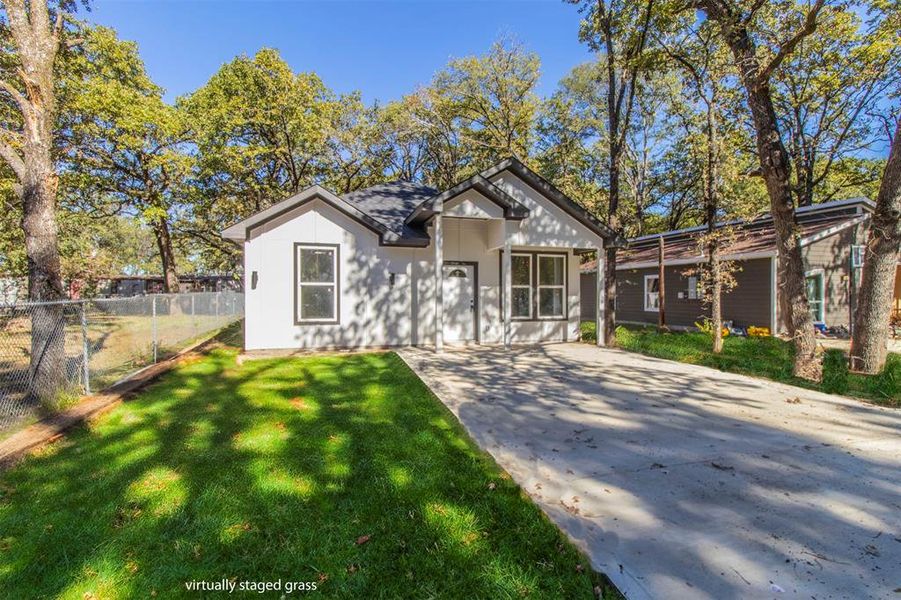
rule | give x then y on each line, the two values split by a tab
492	260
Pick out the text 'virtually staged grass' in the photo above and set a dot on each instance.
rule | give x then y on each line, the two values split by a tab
343	471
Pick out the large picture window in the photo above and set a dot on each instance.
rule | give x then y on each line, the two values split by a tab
652	293
551	285
521	269
316	270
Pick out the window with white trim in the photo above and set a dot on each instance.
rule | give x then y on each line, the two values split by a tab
814	283
652	293
693	288
551	286
521	297
317	283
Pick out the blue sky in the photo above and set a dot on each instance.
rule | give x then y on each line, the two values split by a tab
382	48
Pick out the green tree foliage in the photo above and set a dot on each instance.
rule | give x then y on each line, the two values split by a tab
263	132
570	137
478	110
125	147
830	99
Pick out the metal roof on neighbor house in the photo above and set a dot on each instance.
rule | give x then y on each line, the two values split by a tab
756	238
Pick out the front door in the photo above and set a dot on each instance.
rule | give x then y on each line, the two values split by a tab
459	303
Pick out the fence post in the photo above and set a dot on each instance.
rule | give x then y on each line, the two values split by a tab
86	349
153	327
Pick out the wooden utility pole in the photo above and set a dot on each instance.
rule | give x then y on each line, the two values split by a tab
661	288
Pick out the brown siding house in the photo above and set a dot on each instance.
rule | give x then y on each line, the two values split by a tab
832	237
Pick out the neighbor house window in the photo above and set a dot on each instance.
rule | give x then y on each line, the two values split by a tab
652	293
693	288
815	295
316	268
521	269
551	285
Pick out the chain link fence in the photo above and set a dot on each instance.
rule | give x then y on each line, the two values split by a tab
52	352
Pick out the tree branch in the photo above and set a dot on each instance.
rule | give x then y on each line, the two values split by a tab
13	159
17	96
789	45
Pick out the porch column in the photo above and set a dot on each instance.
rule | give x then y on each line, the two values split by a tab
601	297
438	245
507	279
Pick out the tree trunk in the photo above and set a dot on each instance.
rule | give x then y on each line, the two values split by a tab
36	41
776	170
711	193
167	256
47	368
777	177
610	267
868	345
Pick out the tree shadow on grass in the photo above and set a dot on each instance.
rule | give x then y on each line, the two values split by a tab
273	470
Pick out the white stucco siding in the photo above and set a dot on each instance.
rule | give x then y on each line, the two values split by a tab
372	312
547	225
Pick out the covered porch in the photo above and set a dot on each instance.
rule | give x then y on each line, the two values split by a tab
506	270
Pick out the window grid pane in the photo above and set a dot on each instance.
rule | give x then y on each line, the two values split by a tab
317	302
550	270
550	302
317	285
317	265
521	269
521	302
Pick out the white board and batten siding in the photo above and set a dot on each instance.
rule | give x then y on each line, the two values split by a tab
373	312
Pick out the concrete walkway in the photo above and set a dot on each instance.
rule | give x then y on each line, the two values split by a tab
682	481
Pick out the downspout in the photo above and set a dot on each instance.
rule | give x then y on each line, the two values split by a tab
774	296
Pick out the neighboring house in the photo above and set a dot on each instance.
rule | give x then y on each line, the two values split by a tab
138	285
832	237
404	264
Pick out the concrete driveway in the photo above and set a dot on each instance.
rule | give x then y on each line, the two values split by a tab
681	481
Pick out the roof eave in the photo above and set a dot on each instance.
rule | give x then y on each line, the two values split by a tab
513	209
570	206
240	231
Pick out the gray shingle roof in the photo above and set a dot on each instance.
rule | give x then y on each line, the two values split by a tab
391	203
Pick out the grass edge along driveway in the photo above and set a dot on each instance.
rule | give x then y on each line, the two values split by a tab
766	357
339	470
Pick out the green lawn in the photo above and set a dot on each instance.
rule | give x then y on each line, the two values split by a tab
759	356
343	471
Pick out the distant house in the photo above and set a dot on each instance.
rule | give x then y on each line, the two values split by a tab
139	285
833	235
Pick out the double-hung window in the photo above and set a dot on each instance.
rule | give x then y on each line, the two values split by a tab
693	288
316	269
521	270
652	293
814	284
551	286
